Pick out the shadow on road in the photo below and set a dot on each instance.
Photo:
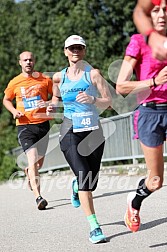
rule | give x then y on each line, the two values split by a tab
144	226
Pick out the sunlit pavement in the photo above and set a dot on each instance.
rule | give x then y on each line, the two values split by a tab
63	228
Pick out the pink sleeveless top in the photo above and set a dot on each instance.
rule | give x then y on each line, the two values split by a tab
146	68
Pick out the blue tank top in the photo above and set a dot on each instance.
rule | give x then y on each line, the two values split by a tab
69	90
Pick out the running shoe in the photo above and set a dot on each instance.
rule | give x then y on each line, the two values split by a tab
132	218
97	236
41	203
74	197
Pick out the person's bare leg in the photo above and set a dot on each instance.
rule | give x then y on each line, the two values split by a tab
33	173
28	178
86	200
40	161
39	165
155	166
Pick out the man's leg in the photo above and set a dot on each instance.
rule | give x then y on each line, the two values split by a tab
33	166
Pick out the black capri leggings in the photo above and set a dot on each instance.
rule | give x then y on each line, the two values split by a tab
83	152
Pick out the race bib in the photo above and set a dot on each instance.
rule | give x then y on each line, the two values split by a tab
31	103
84	121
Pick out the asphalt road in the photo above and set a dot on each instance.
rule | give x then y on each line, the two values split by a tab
60	228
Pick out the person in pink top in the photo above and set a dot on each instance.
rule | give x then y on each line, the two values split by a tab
150	117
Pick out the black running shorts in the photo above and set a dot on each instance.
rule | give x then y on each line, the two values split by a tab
34	135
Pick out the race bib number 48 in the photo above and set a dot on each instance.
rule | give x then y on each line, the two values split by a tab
84	121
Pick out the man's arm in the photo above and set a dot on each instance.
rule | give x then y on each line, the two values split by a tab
9	106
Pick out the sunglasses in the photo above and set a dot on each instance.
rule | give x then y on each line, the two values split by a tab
75	48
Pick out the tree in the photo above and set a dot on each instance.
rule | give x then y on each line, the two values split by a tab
41	26
7	70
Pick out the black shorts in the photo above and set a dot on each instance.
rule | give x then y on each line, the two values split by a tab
34	135
83	152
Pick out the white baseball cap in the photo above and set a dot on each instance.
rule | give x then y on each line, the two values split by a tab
74	40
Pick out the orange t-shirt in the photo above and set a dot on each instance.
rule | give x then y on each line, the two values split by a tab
27	91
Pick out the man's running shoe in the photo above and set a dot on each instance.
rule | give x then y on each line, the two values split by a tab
96	236
132	218
74	197
41	203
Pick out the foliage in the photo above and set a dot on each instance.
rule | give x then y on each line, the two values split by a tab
41	26
9	167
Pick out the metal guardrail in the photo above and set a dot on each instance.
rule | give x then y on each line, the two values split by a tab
119	145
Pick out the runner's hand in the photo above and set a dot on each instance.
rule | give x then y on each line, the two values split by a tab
17	114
